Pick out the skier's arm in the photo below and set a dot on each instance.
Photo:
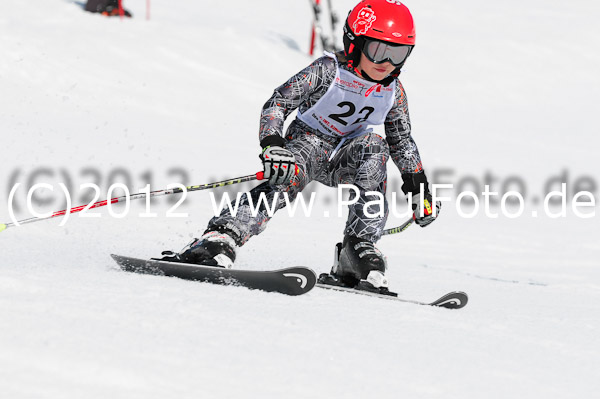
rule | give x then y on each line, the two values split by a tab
307	85
403	149
405	154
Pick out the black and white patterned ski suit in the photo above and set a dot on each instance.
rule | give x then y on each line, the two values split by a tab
358	159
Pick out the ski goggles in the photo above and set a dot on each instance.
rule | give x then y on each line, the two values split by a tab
379	52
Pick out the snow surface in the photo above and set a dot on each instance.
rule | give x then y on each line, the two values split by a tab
508	88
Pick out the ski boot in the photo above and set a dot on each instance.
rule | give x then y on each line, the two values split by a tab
360	265
214	248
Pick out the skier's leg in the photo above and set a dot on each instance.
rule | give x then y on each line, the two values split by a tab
362	162
254	211
226	232
250	219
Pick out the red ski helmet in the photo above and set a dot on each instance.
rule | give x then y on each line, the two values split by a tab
388	21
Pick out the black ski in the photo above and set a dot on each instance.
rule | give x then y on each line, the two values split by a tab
289	281
452	300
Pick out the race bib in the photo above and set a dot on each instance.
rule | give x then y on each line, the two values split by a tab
350	106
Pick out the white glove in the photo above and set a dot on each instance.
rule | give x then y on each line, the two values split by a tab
279	165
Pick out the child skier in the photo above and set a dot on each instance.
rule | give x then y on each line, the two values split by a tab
338	96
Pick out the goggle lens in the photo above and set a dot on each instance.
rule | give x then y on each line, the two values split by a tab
379	52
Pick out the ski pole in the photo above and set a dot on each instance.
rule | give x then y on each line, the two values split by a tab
237	180
158	193
400	228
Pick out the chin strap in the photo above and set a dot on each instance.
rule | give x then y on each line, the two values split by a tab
384	82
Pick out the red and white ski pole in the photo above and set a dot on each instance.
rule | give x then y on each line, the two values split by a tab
116	200
158	193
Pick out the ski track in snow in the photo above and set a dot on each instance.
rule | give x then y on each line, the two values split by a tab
508	88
